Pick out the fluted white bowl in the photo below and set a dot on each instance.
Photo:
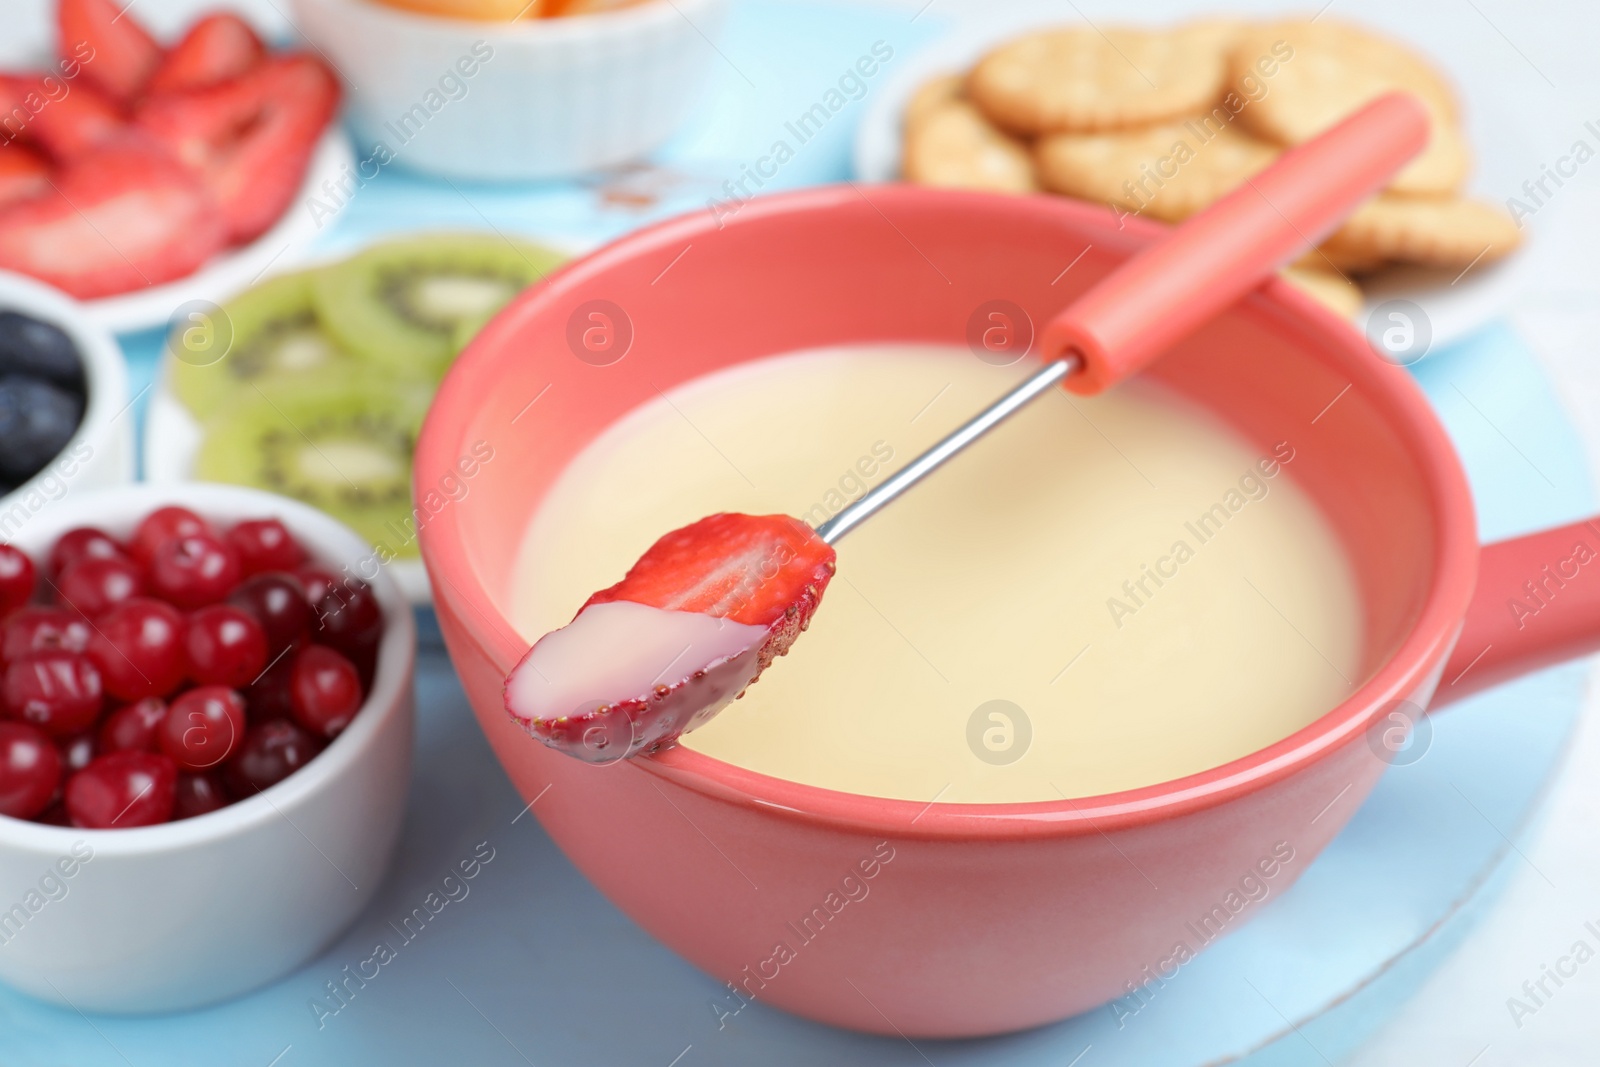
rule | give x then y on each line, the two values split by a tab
539	98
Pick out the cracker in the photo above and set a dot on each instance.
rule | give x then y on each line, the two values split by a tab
1340	295
1167	172
1219	33
1434	231
1338	259
1083	80
931	95
1440	168
1299	78
954	145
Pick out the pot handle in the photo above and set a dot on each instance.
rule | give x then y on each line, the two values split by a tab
1537	602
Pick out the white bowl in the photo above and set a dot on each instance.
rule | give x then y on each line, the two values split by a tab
101	452
545	97
308	214
169	917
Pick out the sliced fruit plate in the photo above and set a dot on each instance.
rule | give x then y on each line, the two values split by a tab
136	175
1453	302
227	273
313	383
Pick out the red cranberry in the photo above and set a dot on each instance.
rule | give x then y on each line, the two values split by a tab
59	692
194	571
94	586
132	727
278	602
202	727
271	752
85	542
265	545
267	697
55	815
17	578
78	750
139	647
123	789
198	794
30	770
316	582
224	646
43	630
324	691
163	525
350	621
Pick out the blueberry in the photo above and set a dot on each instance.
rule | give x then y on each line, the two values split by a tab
39	350
36	422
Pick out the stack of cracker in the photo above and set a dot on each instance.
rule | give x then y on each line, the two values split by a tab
1162	123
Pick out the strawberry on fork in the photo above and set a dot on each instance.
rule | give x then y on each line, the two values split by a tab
697	619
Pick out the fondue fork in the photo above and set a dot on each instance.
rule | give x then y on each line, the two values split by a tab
1037	383
720	599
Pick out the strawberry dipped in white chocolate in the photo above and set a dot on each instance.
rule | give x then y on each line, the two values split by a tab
703	612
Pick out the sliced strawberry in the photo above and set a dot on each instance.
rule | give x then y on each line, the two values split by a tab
697	619
216	49
14	115
23	173
64	124
250	139
17	107
117	54
764	570
122	216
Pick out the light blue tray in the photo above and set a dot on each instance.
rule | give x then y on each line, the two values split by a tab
533	966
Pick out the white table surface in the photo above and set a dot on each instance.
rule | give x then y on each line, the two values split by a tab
1536	63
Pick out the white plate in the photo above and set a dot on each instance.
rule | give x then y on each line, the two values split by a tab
235	269
1454	308
172	435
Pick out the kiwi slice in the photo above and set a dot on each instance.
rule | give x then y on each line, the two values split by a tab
405	304
342	444
268	332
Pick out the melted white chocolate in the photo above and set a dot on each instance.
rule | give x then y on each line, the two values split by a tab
1148	594
620	651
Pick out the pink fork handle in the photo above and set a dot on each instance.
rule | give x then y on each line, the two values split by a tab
1153	300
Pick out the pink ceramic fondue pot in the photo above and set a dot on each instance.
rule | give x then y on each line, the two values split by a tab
944	919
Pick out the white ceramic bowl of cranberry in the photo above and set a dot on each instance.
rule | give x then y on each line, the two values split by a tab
103	916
